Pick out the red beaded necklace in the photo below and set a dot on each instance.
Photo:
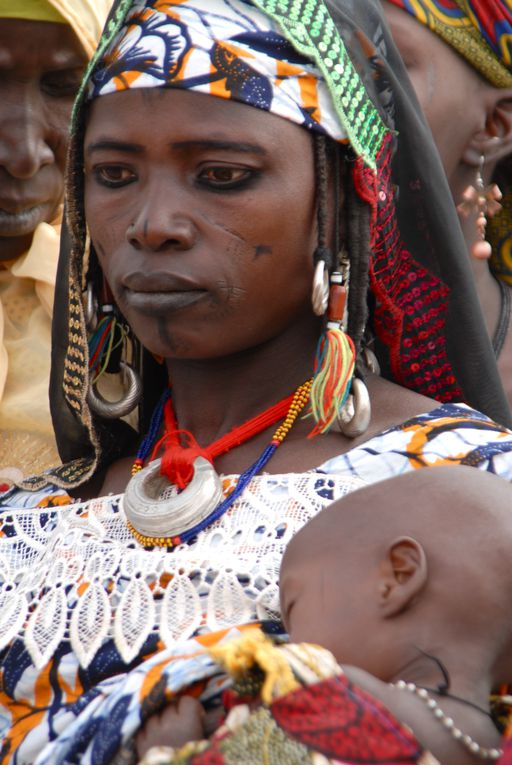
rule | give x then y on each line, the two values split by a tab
177	462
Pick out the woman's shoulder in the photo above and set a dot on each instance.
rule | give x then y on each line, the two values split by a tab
448	434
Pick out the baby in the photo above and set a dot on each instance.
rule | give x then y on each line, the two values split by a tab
407	582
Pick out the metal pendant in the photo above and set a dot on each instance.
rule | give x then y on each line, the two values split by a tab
171	516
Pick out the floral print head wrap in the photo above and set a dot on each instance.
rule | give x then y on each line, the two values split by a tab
218	47
480	30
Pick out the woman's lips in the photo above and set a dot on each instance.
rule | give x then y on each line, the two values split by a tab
160	292
162	302
21	222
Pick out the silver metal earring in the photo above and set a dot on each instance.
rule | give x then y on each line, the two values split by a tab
112	410
320	293
90	308
353	420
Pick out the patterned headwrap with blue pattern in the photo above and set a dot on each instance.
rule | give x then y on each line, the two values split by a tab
224	48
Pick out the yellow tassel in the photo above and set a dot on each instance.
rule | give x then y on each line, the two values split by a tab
254	649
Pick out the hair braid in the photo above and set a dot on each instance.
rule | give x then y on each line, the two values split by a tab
354	216
323	251
357	244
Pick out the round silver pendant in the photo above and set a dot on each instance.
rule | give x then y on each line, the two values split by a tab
172	516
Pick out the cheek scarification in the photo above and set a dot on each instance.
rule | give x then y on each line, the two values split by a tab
262	249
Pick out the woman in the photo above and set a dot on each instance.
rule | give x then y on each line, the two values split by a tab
207	234
45	46
459	58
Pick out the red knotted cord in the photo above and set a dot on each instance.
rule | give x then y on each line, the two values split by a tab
181	448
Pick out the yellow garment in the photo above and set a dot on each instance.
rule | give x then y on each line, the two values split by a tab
86	17
32	10
26	301
27	444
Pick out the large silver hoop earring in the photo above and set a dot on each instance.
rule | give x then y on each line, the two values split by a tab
112	410
320	293
354	418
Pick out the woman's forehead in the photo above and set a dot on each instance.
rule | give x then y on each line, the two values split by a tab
201	117
49	45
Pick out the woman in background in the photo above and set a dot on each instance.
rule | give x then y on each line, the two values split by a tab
459	59
44	48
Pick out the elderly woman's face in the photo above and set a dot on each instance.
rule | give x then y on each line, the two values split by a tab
202	214
41	65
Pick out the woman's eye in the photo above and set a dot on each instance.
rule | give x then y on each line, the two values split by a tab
113	176
223	177
62	83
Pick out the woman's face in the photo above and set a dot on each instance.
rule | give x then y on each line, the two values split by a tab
449	90
41	65
202	214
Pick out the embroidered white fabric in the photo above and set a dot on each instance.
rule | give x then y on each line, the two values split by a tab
76	573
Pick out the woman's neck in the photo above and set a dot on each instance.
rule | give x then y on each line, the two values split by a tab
212	396
488	293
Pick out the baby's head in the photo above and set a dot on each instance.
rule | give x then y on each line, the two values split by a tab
421	562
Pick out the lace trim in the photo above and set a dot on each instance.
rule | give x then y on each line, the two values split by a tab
75	573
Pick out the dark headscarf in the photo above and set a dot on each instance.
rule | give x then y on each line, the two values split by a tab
423	305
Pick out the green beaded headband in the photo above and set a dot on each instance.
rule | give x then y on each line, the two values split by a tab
309	27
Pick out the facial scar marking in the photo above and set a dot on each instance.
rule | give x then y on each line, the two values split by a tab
262	249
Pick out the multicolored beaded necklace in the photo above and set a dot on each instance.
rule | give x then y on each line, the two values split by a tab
177	462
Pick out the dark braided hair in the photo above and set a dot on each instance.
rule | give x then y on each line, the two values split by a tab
323	251
352	222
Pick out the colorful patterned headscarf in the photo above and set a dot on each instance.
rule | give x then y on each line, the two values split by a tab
220	48
480	30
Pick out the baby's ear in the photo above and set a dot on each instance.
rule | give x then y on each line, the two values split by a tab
402	576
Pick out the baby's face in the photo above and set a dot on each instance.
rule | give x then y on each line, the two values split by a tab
326	599
311	597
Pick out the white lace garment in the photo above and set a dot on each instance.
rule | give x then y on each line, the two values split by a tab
76	573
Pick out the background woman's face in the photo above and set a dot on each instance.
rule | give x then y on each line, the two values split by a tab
446	86
41	65
202	214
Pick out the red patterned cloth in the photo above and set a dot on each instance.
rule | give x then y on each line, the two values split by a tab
307	711
341	721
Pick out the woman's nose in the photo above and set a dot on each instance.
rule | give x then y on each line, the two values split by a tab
159	228
24	149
